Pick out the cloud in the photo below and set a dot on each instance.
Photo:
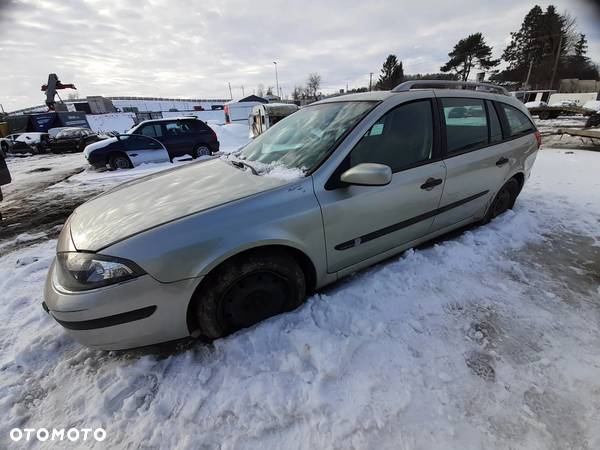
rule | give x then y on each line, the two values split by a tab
183	48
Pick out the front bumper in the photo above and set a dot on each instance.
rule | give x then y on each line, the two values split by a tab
130	314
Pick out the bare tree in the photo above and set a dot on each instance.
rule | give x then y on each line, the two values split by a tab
313	84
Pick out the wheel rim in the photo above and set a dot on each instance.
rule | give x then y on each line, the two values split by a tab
253	298
120	163
202	151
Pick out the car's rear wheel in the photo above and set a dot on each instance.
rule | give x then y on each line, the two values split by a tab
504	200
119	161
247	290
201	150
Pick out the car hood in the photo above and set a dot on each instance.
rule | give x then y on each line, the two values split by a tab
96	145
166	196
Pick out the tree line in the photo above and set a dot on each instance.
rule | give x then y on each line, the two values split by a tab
546	48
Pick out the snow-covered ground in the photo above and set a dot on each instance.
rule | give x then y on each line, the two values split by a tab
487	338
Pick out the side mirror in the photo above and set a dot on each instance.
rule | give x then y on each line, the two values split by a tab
368	174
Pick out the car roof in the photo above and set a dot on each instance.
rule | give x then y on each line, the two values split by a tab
169	119
384	95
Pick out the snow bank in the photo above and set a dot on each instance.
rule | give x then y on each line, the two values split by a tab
232	136
471	342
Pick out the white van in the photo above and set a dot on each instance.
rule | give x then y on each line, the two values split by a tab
264	116
237	111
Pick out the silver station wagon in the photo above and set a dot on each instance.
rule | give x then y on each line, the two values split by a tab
215	246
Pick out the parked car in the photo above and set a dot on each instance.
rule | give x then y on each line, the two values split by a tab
213	247
71	140
125	151
30	142
181	136
5	144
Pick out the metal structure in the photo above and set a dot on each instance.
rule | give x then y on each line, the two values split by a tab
450	84
51	87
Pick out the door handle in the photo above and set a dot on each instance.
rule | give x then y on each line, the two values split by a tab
431	183
501	161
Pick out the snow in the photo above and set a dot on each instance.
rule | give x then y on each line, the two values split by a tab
594	105
536	104
485	339
104	123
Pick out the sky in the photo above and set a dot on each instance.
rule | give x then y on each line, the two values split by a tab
193	49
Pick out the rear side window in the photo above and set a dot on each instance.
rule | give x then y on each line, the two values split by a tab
466	124
495	128
197	125
179	128
402	138
518	123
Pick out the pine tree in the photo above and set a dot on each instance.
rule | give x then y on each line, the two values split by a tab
543	37
392	74
468	53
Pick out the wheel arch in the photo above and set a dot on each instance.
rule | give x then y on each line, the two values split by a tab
306	264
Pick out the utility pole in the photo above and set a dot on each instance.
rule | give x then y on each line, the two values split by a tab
556	62
230	94
276	77
370	80
528	74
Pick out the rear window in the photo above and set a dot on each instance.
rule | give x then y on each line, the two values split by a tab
518	122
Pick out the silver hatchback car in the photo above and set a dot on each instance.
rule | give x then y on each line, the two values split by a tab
216	246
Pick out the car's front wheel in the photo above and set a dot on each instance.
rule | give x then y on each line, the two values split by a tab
201	150
119	161
246	290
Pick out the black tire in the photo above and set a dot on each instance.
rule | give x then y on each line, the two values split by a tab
504	200
247	290
119	161
592	121
544	115
201	150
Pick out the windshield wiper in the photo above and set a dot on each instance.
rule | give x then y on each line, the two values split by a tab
243	165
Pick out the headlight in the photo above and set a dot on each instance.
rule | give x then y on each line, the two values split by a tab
82	271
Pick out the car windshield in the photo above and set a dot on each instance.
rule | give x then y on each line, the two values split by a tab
303	139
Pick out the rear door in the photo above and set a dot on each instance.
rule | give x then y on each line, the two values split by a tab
179	137
476	158
361	222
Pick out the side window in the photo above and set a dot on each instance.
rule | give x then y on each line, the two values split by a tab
131	142
518	122
402	138
495	128
152	130
466	124
179	128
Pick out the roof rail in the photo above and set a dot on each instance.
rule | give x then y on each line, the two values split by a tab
449	84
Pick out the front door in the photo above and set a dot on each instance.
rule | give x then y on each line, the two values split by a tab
361	222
